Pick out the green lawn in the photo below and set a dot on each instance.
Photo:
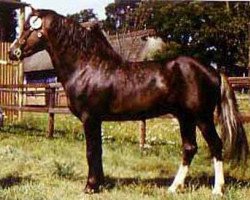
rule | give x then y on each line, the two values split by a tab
36	168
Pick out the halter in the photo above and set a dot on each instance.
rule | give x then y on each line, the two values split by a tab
35	23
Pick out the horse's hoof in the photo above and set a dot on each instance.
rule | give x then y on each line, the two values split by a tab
91	190
217	192
173	189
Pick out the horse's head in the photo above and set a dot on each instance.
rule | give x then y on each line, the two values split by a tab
47	30
34	36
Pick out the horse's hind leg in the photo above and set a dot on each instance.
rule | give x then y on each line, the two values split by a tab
189	145
208	130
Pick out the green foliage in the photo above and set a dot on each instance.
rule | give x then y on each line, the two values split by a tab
84	16
212	32
207	31
125	16
169	52
110	22
8	23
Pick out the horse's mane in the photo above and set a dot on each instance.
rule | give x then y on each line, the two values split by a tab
89	41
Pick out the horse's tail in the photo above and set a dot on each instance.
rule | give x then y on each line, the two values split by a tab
233	134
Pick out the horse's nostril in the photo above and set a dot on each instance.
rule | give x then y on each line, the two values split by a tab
12	56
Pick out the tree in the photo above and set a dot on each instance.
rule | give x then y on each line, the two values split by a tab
207	31
212	32
84	16
8	24
124	16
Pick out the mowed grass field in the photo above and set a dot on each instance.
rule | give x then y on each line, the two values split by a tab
35	168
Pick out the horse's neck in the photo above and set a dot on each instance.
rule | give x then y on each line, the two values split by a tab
68	54
103	49
63	70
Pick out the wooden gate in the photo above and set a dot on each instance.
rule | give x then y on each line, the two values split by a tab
11	73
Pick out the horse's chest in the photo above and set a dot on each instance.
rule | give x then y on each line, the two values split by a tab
87	95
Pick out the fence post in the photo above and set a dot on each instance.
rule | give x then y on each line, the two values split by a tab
143	133
20	74
51	105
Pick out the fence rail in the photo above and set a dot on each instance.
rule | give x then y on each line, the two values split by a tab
52	105
239	82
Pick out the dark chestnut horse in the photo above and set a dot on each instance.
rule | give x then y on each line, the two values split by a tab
101	86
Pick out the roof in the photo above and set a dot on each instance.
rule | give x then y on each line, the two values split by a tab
13	4
38	62
131	45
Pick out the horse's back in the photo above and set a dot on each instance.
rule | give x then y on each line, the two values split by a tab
150	89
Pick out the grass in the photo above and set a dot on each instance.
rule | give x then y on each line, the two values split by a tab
35	168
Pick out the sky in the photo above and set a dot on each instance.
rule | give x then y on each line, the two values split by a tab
65	7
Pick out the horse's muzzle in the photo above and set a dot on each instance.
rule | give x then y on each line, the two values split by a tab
15	54
15	51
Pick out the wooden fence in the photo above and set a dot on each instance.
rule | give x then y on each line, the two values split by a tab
10	74
239	82
50	100
53	101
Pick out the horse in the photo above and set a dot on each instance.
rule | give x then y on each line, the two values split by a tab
102	86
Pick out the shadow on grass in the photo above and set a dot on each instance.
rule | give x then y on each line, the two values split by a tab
195	182
22	129
12	180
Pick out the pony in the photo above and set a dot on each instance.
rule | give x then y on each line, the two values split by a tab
101	86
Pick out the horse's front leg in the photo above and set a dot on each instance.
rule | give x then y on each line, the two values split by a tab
92	129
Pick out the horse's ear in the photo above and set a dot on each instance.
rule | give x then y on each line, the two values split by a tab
32	9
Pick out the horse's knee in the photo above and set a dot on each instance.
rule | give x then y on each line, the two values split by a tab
189	151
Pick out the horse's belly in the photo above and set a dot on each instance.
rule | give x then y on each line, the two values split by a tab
139	103
138	115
